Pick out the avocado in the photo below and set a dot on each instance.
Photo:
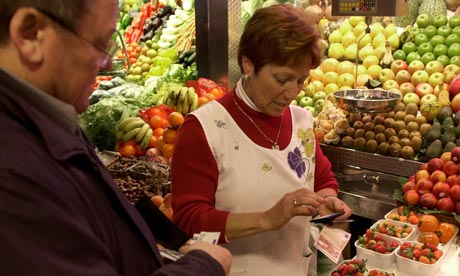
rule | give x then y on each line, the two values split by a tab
435	131
448	135
449	146
434	149
445	112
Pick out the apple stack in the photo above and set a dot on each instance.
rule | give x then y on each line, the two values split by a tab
436	184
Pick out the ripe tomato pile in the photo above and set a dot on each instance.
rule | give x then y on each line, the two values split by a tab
424	253
434	232
354	267
377	242
387	228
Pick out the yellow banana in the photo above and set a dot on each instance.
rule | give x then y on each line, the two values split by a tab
194	102
182	95
140	135
191	94
127	121
146	139
185	106
130	135
132	125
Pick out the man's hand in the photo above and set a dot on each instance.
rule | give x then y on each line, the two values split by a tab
219	253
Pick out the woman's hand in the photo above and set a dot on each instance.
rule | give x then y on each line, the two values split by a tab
334	204
302	202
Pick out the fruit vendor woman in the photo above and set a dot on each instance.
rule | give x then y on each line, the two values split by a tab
249	165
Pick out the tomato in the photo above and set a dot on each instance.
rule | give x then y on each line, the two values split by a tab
445	232
428	223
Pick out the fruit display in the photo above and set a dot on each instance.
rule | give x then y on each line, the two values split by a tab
354	267
393	229
374	241
420	252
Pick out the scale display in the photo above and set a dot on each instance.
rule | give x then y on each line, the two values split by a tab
358	6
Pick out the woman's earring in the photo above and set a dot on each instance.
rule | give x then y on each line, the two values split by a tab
245	77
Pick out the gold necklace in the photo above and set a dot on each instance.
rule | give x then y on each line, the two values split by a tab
274	143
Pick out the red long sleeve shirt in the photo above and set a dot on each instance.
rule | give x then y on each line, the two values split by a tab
194	170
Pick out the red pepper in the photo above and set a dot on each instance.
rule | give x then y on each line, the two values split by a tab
136	35
146	9
137	21
206	84
128	34
196	86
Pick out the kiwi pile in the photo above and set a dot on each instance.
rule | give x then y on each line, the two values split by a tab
397	133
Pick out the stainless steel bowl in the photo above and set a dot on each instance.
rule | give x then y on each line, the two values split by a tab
366	100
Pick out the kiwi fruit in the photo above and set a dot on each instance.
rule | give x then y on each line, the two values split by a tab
379	128
350	132
368	126
421	120
360	143
425	129
380	138
411	108
347	141
389	122
405	142
393	139
398	125
409	118
412	126
403	133
383	148
407	152
389	132
416	143
359	133
400	115
367	118
414	133
353	117
389	114
395	150
369	135
358	125
371	146
399	107
379	119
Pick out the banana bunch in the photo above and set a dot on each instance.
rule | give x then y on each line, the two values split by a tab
185	99
135	128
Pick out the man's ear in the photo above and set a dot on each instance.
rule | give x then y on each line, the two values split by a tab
27	31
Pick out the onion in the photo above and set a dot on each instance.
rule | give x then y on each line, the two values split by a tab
314	13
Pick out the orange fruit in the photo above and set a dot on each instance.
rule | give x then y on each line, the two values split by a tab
428	238
157	132
210	96
445	232
127	150
428	223
169	135
168	200
131	142
413	219
167	150
176	119
202	100
153	142
156	122
139	151
160	143
157	200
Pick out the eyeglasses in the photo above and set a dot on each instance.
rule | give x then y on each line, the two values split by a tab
108	52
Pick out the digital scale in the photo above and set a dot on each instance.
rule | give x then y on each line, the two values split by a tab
370	7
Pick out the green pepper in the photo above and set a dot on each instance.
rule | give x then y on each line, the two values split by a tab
126	21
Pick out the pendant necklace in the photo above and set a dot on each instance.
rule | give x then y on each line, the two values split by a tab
274	143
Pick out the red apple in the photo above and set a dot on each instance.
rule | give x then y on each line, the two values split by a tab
455	193
457	208
423	89
446	156
424	186
455	154
406	87
428	200
455	103
438	175
453	180
446	204
409	185
411	197
454	87
399	65
435	164
441	189
419	76
428	98
422	174
450	168
423	166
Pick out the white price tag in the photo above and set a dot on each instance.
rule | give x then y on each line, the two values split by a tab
332	241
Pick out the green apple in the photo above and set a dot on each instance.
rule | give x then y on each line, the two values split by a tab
427	57
444	30
412	56
437	39
419	76
444	59
451	39
420	38
319	95
346	79
336	50
311	109
454	50
399	54
430	31
409	47
319	104
423	48
390	84
436	78
439	20
299	97
455	60
456	30
454	21
440	50
423	20
411	97
386	74
306	101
